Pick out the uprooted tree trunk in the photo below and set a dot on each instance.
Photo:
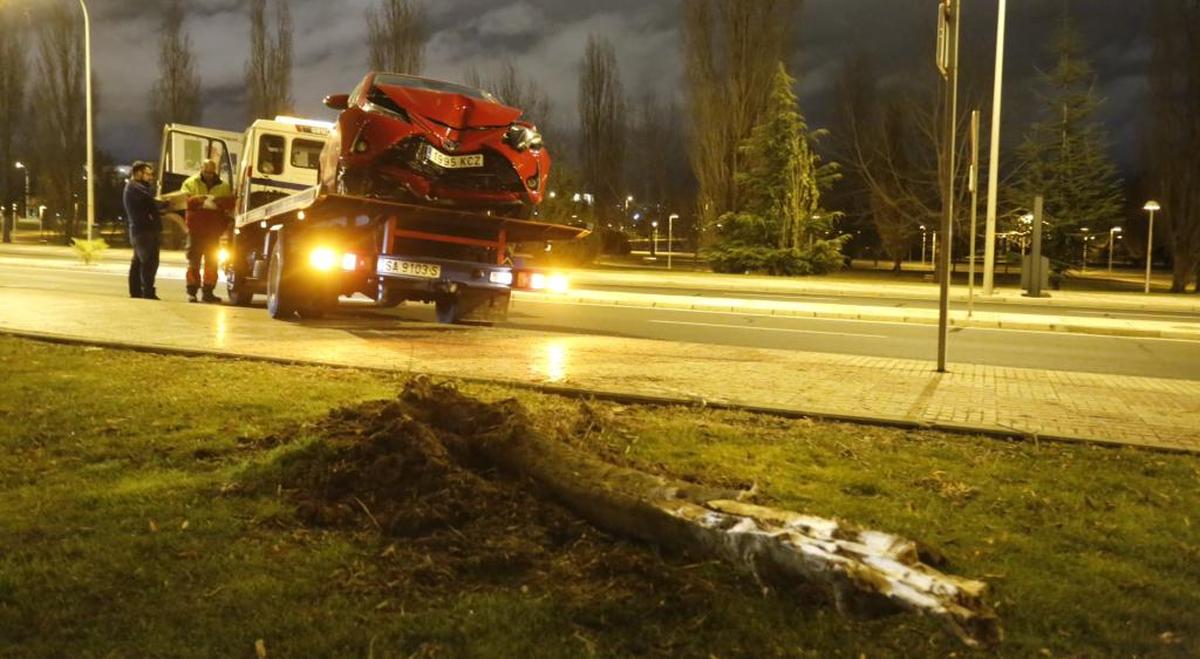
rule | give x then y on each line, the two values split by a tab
865	572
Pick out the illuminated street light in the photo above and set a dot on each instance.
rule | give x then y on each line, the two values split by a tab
20	165
1112	245
1151	207
922	244
654	245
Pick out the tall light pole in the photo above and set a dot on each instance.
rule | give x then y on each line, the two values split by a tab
1151	207
87	72
670	236
1112	245
654	245
20	165
923	243
989	248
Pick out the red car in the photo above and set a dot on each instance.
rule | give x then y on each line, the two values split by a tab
432	142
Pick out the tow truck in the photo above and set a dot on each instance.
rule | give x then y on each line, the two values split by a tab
307	249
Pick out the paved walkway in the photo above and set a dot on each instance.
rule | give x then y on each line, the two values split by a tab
1021	402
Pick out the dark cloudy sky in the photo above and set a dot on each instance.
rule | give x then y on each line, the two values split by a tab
546	38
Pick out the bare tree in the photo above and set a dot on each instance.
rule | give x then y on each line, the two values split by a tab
732	49
269	70
60	123
175	98
603	124
397	34
12	94
1175	133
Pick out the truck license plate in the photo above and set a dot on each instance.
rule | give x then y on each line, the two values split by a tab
454	162
409	268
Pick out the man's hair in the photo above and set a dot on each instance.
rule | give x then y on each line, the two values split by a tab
139	167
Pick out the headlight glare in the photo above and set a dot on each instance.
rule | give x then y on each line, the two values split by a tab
323	259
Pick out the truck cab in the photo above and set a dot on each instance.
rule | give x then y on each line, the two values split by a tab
280	157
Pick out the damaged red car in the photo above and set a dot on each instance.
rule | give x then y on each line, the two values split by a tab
438	143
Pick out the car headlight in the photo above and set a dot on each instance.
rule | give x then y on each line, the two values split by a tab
523	138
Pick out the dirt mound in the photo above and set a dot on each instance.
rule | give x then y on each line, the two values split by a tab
445	515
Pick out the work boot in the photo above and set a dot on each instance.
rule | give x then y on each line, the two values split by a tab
192	298
209	297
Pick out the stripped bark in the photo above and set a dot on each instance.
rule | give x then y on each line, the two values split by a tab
864	571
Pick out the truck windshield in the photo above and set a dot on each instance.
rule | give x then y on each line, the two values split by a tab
411	82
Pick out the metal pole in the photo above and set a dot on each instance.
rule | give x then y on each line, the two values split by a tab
1111	237
87	70
989	248
26	192
670	238
951	134
1149	250
973	182
1035	256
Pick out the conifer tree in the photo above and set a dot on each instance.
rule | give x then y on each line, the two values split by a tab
1064	158
781	225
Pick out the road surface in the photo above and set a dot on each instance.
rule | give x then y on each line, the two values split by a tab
1164	358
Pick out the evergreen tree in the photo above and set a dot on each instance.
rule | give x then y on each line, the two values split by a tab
1065	158
781	225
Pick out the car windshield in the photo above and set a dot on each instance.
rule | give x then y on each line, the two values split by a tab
393	80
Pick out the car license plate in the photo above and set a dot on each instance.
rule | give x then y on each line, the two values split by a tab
454	162
409	268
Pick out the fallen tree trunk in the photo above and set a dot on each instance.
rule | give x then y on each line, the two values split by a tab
865	572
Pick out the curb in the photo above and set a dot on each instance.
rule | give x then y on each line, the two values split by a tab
993	432
1063	327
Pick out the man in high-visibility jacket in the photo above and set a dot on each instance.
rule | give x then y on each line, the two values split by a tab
209	202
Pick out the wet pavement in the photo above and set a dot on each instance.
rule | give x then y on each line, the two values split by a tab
1141	411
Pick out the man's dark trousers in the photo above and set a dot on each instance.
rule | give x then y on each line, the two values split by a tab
144	267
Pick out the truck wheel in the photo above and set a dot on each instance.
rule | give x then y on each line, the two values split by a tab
238	289
281	299
448	309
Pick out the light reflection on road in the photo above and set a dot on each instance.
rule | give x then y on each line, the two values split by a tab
220	327
555	360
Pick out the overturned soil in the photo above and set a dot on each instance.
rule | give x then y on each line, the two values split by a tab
450	524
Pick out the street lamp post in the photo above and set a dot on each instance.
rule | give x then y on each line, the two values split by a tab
989	254
654	245
21	166
1112	245
1151	207
87	73
923	244
670	237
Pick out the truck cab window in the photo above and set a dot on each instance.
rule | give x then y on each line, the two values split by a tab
306	153
270	154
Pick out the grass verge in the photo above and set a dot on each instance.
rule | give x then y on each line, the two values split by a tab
138	518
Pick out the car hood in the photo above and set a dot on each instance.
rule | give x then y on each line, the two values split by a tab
453	110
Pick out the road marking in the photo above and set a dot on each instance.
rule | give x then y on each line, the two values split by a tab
765	329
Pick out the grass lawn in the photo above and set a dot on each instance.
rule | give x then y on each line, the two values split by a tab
145	510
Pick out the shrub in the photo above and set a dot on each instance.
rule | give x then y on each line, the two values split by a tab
89	251
822	257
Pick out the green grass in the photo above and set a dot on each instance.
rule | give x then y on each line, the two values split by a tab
122	532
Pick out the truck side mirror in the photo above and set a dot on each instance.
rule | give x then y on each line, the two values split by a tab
337	101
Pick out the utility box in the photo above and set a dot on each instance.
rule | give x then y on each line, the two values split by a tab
1027	276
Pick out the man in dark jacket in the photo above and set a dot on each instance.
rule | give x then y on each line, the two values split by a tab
145	230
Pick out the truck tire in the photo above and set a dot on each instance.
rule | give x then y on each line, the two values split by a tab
281	294
238	288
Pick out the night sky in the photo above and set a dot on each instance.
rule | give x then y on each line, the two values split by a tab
546	39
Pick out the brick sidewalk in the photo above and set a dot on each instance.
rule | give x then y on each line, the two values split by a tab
1021	402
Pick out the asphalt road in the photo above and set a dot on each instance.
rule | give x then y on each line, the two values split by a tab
906	303
1014	348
